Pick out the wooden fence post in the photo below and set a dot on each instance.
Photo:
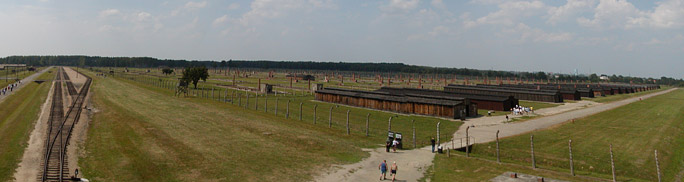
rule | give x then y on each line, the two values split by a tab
287	110
232	97
367	123
330	118
534	164
300	111
348	130
657	165
467	142
314	116
612	163
239	99
212	93
256	101
498	159
572	166
225	96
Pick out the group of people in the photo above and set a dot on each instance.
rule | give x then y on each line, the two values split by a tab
9	88
520	110
383	170
391	144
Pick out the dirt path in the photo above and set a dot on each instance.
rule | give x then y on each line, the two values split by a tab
413	163
23	82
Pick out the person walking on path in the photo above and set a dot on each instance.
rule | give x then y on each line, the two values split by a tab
394	170
394	145
433	144
388	145
383	170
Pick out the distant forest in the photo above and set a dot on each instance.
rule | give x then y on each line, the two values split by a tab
147	62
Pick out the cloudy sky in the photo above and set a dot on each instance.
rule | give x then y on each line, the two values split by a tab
637	38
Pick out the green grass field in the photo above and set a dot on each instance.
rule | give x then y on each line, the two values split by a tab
144	133
459	168
18	115
635	130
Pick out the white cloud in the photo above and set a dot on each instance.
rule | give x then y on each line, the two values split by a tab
438	4
400	5
109	12
668	14
233	6
220	20
271	9
571	8
195	5
611	14
527	33
143	16
508	14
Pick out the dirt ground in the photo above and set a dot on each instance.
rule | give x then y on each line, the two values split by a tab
75	78
29	167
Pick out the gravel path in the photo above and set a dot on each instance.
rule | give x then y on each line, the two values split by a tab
23	82
413	163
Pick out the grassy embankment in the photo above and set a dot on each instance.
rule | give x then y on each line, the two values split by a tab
143	133
635	130
18	114
616	97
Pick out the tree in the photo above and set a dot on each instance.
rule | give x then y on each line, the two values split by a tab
594	78
194	74
167	71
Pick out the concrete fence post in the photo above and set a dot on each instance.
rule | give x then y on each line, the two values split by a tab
300	111
438	143
389	124
498	159
572	166
467	142
287	110
266	103
246	101
612	163
413	124
657	165
367	123
330	117
534	164
348	129
314	113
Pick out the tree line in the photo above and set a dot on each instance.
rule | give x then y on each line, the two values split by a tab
146	62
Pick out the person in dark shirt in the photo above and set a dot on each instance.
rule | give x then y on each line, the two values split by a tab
433	144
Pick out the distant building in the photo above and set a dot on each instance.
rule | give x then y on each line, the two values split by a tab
301	77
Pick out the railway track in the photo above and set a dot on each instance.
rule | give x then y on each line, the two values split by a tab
55	165
70	85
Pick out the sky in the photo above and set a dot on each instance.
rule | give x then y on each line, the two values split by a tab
631	38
